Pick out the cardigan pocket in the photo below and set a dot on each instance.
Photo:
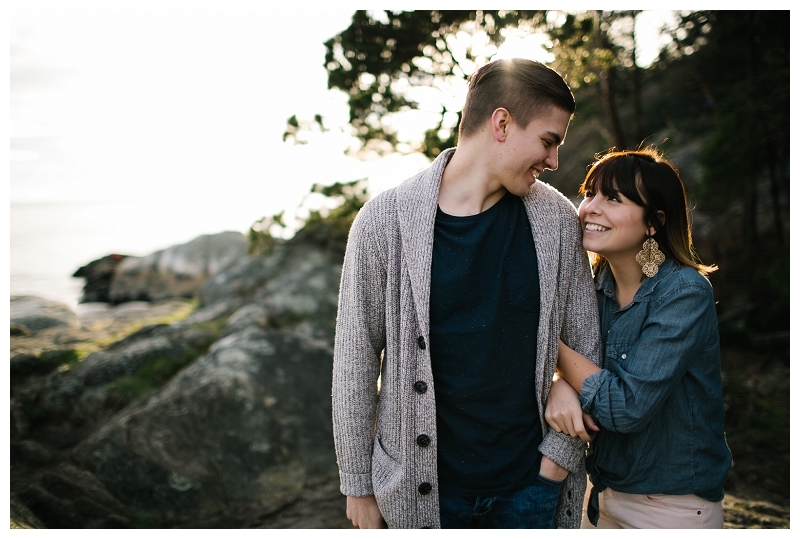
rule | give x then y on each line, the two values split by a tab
386	471
522	283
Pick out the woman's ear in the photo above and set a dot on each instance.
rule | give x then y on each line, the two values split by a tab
662	219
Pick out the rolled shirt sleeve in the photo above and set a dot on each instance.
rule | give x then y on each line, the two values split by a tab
644	370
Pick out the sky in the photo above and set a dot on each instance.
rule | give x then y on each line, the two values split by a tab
186	105
177	111
120	105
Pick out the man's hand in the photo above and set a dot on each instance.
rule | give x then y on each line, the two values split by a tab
551	470
364	513
564	413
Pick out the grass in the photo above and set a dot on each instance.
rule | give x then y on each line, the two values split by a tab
156	372
100	343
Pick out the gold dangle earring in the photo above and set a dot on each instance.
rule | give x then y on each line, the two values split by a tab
650	257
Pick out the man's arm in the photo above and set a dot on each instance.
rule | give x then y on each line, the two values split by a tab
363	512
580	327
360	339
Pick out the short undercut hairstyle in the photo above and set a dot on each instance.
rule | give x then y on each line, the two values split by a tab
525	88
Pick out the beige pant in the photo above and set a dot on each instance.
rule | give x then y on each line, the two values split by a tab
661	511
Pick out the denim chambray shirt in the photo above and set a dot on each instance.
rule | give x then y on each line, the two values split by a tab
658	399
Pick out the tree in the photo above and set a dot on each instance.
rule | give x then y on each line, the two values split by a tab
389	62
394	61
731	76
325	226
750	135
598	49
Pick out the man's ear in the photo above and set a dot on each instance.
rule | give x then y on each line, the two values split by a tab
501	120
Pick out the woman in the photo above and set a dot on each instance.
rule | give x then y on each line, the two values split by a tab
660	458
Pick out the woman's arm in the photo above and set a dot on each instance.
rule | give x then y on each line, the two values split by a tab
573	367
679	324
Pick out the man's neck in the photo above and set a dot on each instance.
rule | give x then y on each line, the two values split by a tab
468	187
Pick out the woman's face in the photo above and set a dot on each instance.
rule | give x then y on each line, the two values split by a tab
613	226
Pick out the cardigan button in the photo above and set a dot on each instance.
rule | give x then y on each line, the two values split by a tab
420	387
421	342
425	489
423	440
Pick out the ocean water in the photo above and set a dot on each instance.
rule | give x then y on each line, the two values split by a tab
50	241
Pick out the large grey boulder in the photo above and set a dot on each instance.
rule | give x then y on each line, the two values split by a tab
179	271
32	313
293	283
90	389
238	433
97	276
246	425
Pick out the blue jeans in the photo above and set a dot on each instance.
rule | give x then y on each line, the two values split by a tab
531	507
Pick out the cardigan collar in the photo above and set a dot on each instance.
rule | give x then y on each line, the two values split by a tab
417	200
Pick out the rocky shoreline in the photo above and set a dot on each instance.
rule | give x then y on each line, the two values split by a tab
207	405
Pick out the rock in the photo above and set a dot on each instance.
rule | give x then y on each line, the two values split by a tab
83	391
292	283
23	364
309	289
31	451
69	482
179	271
242	429
98	276
52	511
17	330
247	424
22	517
32	314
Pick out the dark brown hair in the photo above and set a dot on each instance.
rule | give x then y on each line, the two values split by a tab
525	88
649	180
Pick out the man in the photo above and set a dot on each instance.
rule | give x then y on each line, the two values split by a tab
456	288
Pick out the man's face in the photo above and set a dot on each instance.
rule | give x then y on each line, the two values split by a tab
527	152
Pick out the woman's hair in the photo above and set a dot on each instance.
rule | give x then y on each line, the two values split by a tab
649	180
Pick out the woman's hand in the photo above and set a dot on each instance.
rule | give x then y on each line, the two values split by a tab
564	413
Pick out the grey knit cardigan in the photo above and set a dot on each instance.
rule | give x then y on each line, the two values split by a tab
381	352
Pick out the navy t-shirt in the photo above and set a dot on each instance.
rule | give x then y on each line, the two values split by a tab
484	315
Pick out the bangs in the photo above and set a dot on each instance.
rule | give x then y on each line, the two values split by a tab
614	176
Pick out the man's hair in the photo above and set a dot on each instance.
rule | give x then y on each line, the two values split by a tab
525	88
